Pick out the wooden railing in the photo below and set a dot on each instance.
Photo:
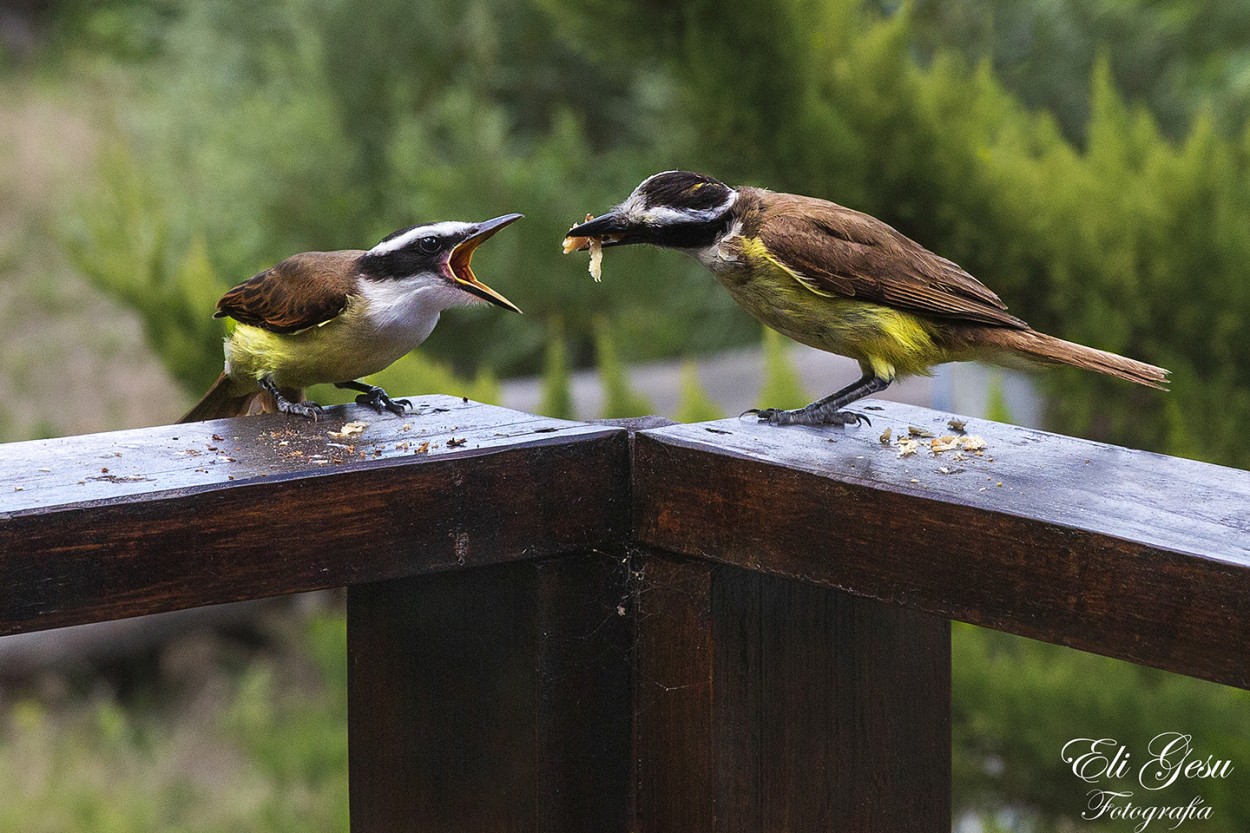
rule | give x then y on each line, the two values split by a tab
556	626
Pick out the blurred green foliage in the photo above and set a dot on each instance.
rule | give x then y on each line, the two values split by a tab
557	399
243	751
121	242
1016	702
1182	58
309	124
695	404
780	385
620	400
996	407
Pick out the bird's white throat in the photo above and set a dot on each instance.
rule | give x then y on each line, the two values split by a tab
407	309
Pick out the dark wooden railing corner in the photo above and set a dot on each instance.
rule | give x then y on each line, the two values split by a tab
643	626
1125	553
131	522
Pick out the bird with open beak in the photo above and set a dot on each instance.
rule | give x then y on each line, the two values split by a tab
838	280
333	317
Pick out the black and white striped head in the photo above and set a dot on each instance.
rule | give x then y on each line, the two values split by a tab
439	252
674	209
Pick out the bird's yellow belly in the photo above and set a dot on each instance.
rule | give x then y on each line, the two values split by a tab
334	352
888	341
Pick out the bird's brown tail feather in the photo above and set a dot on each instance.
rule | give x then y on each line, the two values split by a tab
220	403
1041	347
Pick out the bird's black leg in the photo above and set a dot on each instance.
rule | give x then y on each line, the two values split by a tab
827	411
374	397
310	410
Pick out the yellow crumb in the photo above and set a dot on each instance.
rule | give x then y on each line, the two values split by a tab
596	259
350	429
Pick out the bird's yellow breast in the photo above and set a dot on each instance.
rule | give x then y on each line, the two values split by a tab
891	342
344	348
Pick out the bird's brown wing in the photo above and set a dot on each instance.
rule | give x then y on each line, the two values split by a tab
300	292
844	252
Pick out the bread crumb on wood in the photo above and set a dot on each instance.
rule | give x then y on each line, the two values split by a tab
350	429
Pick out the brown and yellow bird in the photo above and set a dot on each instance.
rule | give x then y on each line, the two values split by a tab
332	317
841	281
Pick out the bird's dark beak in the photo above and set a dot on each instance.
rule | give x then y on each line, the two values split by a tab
462	254
612	230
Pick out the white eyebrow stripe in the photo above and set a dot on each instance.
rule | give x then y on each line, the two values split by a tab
663	213
448	227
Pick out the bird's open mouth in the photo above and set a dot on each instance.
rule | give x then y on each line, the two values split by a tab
462	256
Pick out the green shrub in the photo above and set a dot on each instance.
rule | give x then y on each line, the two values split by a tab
695	405
248	752
557	400
1016	702
620	400
780	386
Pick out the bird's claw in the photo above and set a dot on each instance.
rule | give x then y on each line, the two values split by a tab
777	416
773	416
307	409
378	400
849	418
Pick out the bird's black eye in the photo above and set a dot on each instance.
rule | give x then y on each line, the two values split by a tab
430	245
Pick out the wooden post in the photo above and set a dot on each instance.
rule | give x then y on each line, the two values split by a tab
491	699
764	704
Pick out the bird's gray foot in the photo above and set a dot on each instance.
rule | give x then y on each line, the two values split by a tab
307	409
827	411
808	416
377	399
372	396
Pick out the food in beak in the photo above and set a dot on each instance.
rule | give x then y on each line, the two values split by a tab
577	244
594	244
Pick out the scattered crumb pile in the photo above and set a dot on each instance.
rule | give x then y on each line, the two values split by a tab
968	444
347	444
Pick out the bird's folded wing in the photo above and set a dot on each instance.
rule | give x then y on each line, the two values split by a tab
300	292
832	249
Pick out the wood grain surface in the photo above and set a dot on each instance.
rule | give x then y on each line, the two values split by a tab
1125	553
764	704
279	512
